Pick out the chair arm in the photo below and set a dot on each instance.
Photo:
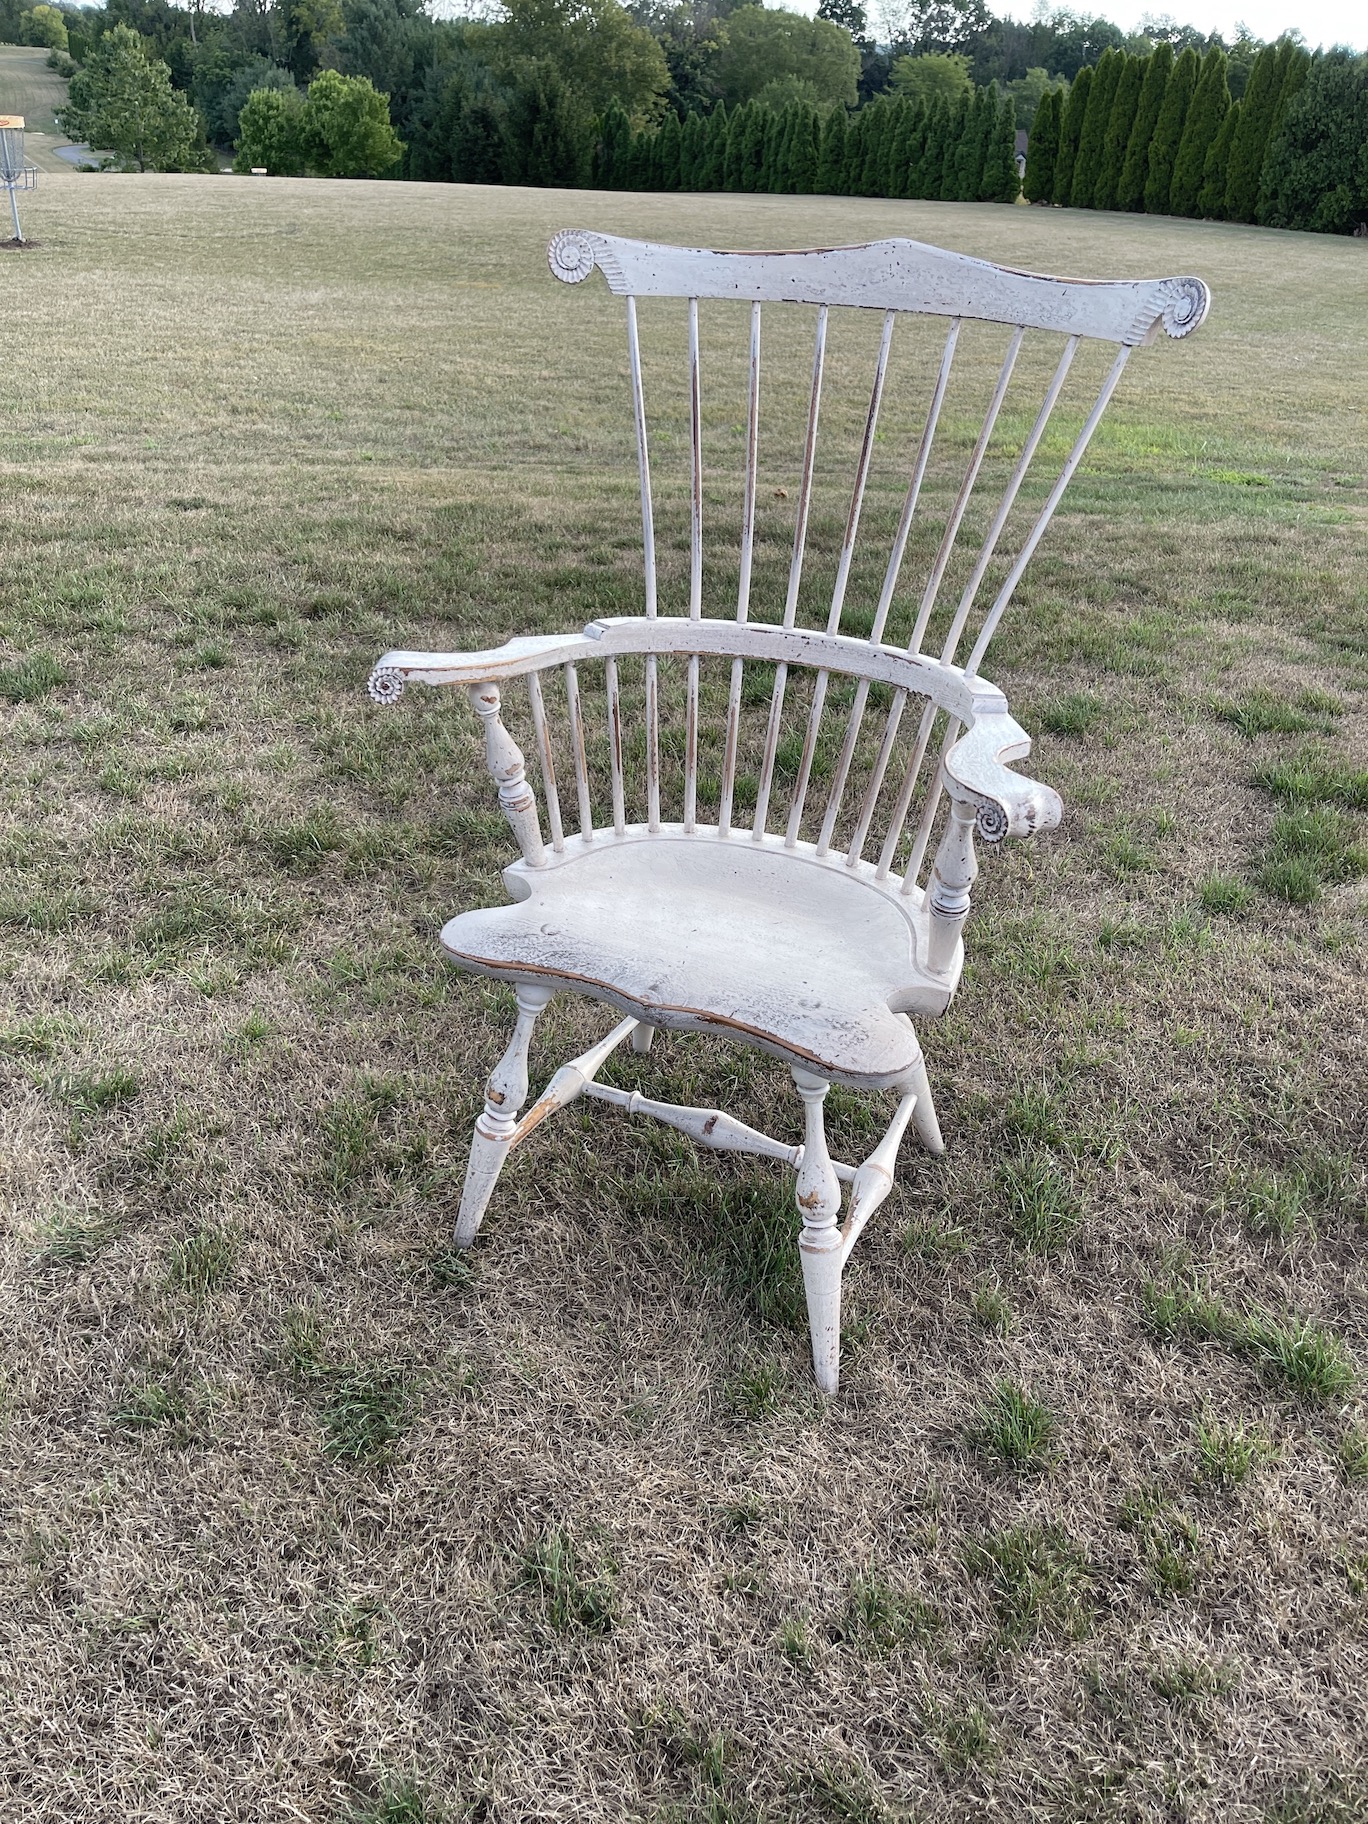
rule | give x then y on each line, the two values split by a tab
1004	803
511	660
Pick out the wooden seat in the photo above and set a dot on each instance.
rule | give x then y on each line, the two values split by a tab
777	820
810	961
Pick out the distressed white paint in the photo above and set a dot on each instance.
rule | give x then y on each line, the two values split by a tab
815	955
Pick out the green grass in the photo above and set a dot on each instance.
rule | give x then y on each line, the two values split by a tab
1014	1426
381	1500
573	1599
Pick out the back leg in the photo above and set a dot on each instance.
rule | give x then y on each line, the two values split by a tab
924	1114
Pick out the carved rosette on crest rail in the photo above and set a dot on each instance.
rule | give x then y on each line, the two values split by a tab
570	256
1185	305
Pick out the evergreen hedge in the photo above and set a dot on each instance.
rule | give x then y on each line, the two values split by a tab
1164	136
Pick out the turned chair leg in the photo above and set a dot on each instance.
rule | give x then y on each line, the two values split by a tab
819	1245
505	1094
924	1114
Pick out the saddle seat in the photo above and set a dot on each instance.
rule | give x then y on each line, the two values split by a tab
814	961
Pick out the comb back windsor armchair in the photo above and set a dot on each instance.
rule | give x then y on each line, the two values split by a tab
806	946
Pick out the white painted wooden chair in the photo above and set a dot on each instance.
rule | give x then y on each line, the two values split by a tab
815	933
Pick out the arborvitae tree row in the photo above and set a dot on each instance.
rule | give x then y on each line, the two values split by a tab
1042	147
1130	187
1168	133
1205	118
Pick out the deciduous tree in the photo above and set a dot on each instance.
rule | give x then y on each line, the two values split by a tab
346	128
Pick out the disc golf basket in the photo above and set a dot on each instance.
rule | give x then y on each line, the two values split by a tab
15	171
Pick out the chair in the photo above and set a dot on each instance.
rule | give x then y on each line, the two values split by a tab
689	897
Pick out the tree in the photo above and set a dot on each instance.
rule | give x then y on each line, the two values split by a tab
753	146
346	129
1042	147
1205	118
733	174
1117	137
307	29
612	148
1130	188
806	148
1211	197
693	151
547	133
713	174
957	124
763	45
849	15
925	78
937	25
597	48
270	132
1317	171
44	25
831	153
1168	133
926	177
121	101
1026	92
1088	163
1070	130
1251	136
999	182
1296	63
670	148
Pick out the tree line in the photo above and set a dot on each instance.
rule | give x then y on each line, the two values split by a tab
575	92
1163	135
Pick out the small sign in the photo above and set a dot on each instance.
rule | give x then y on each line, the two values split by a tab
12	120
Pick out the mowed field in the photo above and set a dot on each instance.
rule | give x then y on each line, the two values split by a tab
305	1517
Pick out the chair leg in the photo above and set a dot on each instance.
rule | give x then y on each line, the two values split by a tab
819	1245
505	1094
641	1038
924	1114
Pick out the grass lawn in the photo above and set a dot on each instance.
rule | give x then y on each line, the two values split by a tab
305	1517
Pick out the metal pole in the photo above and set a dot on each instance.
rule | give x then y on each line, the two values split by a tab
14	211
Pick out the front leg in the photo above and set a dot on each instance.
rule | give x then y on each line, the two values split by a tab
505	1094
819	1245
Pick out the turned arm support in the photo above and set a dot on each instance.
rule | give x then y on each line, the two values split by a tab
987	799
